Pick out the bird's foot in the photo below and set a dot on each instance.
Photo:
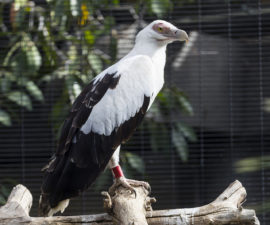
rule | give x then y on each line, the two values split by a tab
129	184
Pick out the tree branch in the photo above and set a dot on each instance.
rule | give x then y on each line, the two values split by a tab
124	208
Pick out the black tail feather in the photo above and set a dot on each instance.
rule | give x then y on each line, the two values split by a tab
70	174
44	205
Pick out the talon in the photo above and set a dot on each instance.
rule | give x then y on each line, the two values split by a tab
137	183
135	193
127	183
128	186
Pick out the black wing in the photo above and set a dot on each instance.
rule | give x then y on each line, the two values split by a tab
80	157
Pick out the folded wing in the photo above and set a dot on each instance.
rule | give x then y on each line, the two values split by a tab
103	116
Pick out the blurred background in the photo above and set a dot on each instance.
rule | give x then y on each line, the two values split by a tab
209	125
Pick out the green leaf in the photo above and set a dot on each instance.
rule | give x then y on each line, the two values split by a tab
5	191
59	12
89	37
32	54
164	99
21	18
162	95
85	79
187	131
21	99
135	162
73	56
19	3
95	62
77	89
34	90
5	118
180	144
12	50
21	81
160	7
157	8
185	104
47	44
181	100
115	2
252	164
73	88
47	78
5	84
159	136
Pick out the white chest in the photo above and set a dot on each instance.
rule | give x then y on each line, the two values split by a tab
159	60
142	75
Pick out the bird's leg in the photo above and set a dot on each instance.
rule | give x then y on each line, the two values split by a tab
127	183
119	178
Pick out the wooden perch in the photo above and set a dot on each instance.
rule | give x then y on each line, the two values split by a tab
124	209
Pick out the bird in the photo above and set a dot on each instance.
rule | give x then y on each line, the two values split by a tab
104	116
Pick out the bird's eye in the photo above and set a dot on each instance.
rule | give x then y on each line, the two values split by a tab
160	29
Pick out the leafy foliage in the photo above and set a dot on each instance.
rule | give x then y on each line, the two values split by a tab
59	43
160	7
20	66
252	164
170	103
5	118
256	164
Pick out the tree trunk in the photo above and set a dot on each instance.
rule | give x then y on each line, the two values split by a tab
124	209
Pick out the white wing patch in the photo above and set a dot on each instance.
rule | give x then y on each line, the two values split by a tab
119	104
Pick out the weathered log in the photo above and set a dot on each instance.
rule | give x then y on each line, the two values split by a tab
226	209
127	207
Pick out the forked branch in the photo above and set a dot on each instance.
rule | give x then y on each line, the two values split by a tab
124	209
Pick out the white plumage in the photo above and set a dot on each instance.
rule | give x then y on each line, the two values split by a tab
105	115
124	101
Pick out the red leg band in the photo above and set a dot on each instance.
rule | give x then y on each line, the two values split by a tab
117	171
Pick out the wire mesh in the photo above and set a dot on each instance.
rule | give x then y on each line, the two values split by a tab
224	71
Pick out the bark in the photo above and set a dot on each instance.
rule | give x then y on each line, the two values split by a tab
126	207
123	208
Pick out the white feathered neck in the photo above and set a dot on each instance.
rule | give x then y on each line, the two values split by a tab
145	45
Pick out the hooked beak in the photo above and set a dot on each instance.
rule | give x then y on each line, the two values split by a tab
176	35
181	35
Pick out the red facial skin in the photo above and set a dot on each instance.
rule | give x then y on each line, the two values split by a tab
161	28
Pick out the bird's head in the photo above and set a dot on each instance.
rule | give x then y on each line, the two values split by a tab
162	32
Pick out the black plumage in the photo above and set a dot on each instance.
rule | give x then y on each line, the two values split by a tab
80	158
